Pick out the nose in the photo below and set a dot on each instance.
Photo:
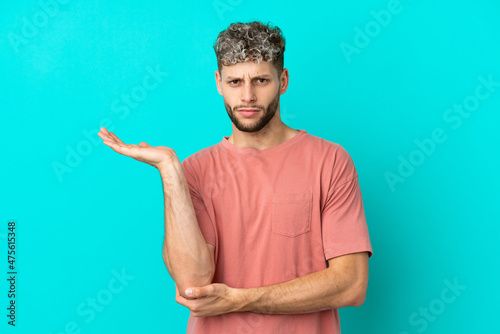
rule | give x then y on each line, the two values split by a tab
248	93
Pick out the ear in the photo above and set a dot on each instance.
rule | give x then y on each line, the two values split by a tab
284	81
218	81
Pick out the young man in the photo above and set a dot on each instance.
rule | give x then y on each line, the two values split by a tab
265	232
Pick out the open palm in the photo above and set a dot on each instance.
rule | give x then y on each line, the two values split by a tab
154	156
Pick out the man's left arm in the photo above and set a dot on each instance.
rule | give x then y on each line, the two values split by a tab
342	284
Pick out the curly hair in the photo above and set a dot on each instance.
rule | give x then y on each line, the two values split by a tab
253	41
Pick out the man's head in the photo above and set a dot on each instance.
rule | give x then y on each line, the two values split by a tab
250	59
254	41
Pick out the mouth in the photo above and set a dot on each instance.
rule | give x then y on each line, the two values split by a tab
248	112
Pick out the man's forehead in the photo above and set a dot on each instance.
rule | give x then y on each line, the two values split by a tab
249	68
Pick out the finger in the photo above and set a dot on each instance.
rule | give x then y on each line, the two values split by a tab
107	136
116	138
181	300
111	144
108	142
203	291
143	144
192	304
104	135
128	150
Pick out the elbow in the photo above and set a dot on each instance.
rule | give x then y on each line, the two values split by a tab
354	296
167	262
195	281
353	293
358	298
357	295
202	278
197	278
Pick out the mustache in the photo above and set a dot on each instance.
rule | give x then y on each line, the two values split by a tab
248	107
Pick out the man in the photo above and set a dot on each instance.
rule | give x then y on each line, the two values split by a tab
265	231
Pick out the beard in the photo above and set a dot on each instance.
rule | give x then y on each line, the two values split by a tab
254	125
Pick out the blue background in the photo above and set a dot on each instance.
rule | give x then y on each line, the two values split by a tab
66	68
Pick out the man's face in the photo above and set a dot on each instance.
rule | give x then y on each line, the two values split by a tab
251	94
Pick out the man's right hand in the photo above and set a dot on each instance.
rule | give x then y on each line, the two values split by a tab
159	156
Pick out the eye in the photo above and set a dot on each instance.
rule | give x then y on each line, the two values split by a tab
262	80
233	82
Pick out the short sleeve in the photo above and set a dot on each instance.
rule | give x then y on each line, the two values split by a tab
204	220
344	226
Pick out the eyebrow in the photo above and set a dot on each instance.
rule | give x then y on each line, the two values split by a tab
256	76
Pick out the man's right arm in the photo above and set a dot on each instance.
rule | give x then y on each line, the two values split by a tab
188	258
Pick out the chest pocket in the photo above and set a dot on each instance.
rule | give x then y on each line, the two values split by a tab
291	213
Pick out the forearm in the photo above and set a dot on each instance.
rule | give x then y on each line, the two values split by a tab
185	251
186	255
331	288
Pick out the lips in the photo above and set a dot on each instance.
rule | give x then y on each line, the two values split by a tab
248	112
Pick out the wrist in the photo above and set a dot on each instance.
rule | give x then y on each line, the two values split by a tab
247	300
170	168
172	175
168	163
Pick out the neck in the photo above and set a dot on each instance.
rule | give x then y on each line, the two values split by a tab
274	133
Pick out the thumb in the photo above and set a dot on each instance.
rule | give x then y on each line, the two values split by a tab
143	144
203	291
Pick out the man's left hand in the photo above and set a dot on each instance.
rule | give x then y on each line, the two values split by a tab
212	299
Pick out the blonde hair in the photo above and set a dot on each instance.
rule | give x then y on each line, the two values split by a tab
253	41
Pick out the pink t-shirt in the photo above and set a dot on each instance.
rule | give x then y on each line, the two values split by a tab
274	215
